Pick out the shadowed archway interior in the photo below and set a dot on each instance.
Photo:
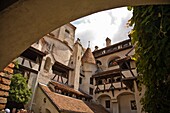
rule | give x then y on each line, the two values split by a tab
26	21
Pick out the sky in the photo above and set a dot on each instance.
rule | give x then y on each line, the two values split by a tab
98	26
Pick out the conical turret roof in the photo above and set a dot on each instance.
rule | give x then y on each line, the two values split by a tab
88	57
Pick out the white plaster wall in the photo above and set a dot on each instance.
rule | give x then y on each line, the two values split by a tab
86	82
88	69
116	93
102	100
32	80
138	96
44	76
26	63
105	59
39	105
124	103
75	74
60	51
68	38
56	33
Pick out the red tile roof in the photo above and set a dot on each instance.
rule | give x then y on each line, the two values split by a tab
71	105
88	57
66	88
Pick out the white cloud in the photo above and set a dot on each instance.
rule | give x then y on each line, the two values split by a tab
96	27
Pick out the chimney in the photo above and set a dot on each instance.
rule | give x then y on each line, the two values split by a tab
96	48
108	42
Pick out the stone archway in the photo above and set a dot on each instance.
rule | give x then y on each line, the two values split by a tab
127	103
27	21
105	101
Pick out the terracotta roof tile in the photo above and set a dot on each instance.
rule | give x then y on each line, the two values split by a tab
71	105
66	88
88	57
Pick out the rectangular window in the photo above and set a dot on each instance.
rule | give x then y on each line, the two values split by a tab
91	81
91	91
80	80
107	102
67	33
133	105
100	82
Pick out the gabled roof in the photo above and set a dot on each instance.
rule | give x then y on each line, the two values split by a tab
88	57
71	105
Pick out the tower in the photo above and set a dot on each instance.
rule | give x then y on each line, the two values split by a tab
88	67
76	63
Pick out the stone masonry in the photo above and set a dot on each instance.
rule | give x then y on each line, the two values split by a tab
5	85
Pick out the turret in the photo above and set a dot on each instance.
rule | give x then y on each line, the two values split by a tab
108	42
89	67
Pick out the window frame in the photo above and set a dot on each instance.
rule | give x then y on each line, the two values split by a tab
107	103
91	91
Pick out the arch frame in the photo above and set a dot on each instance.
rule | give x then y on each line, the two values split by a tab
21	25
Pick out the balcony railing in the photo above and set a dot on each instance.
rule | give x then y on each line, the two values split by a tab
113	48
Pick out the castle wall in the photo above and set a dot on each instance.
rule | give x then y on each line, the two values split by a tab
105	59
42	102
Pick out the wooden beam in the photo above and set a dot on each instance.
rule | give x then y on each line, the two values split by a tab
129	78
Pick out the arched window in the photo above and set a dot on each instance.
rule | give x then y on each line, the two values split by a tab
98	62
113	62
47	111
47	64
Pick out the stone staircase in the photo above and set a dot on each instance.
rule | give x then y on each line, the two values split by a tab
5	84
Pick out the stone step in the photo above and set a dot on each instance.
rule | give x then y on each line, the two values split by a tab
4	94
4	87
3	100
2	106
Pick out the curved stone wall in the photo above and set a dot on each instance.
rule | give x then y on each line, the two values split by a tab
26	21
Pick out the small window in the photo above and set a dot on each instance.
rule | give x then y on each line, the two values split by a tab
80	80
133	105
103	52
91	81
115	48
111	80
67	31
118	79
107	103
113	62
100	82
125	45
91	91
98	62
